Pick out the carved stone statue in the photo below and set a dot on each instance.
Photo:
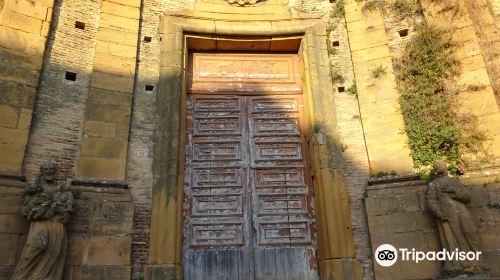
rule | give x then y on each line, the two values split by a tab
47	206
243	2
448	200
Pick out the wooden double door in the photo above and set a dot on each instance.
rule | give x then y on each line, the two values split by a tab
248	207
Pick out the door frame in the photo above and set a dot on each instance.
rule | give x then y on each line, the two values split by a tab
308	38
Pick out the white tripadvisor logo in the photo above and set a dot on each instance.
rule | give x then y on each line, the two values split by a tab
386	255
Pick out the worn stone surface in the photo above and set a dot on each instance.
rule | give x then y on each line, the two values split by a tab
102	125
399	215
22	46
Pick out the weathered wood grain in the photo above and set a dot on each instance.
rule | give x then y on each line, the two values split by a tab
248	208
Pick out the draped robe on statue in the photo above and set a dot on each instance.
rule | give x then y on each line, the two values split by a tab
44	254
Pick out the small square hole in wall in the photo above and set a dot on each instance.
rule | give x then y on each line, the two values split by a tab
403	33
333	1
70	76
335	44
147	39
149	87
80	25
341	89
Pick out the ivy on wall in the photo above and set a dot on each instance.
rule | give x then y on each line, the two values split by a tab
435	129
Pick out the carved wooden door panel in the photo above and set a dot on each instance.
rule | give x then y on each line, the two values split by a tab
248	208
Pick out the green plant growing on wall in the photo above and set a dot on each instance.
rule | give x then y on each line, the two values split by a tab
493	205
338	9
405	8
371	5
335	75
434	129
76	194
330	48
353	89
379	71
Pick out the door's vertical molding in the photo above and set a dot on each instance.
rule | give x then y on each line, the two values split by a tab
336	242
166	232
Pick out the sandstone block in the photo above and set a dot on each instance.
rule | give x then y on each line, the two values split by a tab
112	225
479	196
475	77
22	22
108	97
486	216
14	153
360	56
121	23
44	31
21	75
30	44
114	64
467	49
398	203
86	208
104	148
77	246
494	196
13	136
11	204
341	269
120	10
81	225
8	248
490	237
116	114
132	3
491	259
109	250
25	122
21	60
466	33
363	37
99	168
8	116
29	8
112	82
100	272
115	36
17	94
478	102
117	208
115	49
13	223
99	129
400	223
472	63
118	196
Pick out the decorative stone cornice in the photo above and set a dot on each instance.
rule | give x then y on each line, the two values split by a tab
244	3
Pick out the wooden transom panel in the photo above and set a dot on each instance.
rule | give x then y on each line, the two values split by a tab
212	73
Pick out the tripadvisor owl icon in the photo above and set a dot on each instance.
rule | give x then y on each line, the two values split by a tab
386	255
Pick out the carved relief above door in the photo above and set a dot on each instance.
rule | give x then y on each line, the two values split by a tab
248	208
244	2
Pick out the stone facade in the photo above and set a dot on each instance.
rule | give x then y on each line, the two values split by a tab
81	81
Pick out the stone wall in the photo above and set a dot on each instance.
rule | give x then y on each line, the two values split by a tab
58	123
24	27
99	232
103	152
96	89
398	214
